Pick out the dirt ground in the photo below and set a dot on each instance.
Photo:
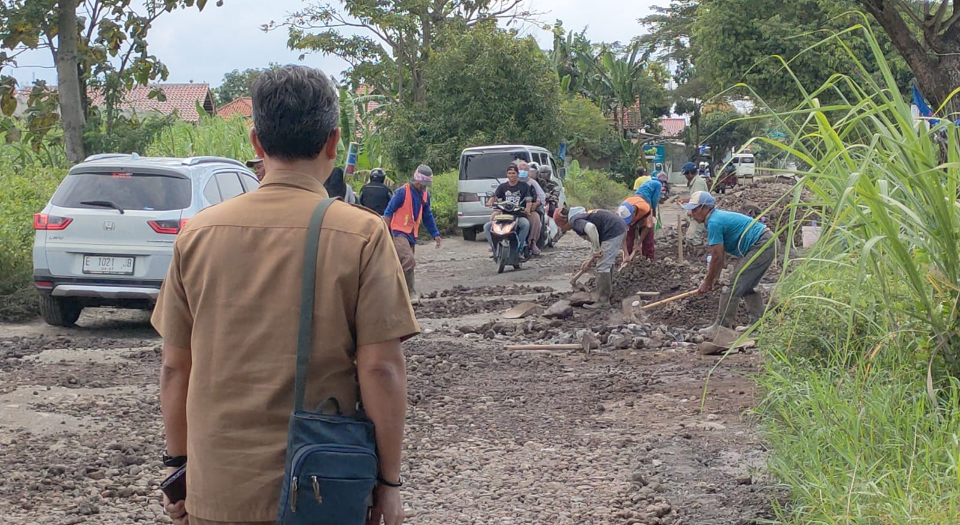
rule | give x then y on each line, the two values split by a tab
633	433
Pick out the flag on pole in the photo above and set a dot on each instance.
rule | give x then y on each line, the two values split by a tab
922	105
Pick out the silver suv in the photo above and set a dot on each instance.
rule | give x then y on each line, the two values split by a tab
106	236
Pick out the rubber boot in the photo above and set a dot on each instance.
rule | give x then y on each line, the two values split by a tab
755	307
412	287
604	287
726	313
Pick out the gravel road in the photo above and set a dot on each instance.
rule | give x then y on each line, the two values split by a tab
625	435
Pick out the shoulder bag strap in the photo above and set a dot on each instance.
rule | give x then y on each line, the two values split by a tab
307	296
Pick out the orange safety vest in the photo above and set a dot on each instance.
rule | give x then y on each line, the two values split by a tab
641	209
403	219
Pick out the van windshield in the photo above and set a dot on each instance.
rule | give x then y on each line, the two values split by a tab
489	165
746	160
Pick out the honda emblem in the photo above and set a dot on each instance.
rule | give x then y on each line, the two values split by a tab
109	226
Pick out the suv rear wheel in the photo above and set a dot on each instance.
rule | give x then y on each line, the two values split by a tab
59	311
469	234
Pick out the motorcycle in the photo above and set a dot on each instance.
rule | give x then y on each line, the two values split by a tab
508	248
726	179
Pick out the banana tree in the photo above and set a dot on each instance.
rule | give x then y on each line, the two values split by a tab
358	123
624	78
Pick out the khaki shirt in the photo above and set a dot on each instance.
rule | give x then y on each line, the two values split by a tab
697	183
232	296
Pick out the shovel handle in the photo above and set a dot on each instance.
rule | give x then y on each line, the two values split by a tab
670	300
543	347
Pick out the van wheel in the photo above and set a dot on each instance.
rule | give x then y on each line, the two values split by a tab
469	234
59	311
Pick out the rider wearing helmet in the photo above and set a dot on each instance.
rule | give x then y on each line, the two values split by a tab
375	194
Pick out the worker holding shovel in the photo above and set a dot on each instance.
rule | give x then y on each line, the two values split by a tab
742	237
605	230
638	216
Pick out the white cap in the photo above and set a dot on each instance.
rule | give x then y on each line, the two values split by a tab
700	198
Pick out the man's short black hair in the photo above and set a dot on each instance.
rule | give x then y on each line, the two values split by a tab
295	109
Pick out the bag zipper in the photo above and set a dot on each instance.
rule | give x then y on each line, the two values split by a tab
303	453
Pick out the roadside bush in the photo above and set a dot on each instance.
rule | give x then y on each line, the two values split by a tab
862	357
443	196
23	192
593	189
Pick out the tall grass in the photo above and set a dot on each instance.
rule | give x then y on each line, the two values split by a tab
212	136
862	406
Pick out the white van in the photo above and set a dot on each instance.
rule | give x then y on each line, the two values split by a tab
482	170
745	164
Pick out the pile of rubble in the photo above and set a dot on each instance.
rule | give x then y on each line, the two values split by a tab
774	194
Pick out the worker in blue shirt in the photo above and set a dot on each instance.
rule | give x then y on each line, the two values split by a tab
409	205
742	237
650	191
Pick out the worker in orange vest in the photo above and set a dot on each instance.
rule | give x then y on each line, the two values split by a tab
409	205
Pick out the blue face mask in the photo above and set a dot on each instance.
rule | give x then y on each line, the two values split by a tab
523	174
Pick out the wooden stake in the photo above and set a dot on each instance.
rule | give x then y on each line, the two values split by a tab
680	238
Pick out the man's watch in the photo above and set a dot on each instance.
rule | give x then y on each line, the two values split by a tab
174	461
384	482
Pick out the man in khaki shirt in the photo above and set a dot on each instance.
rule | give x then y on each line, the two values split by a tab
229	309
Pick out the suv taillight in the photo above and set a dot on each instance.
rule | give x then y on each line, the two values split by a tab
167	227
44	222
467	197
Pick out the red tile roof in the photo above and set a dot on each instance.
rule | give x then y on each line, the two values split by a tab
243	106
672	127
181	98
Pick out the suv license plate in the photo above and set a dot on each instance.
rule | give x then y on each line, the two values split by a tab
107	265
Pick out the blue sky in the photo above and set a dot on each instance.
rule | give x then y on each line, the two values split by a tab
202	47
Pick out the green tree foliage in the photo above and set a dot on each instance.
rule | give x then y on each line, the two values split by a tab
587	132
738	39
236	84
403	35
616	78
487	86
927	35
723	131
109	47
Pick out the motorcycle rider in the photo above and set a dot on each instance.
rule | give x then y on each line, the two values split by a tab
536	222
517	193
375	195
606	231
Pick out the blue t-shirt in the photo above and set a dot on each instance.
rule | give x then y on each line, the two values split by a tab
736	231
650	191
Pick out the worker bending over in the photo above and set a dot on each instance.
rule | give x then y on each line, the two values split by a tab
605	230
742	237
637	215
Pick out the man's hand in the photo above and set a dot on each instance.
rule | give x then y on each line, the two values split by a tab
388	505
439	241
176	511
705	288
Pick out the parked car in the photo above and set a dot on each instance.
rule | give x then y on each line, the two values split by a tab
106	236
482	170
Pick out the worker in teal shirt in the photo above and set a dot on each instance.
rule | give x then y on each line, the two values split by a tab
740	236
650	191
